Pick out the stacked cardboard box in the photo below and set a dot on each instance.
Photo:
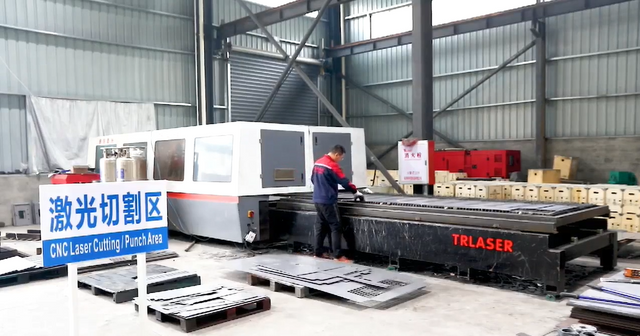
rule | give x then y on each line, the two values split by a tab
379	183
623	201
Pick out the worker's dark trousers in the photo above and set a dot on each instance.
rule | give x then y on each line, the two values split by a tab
328	222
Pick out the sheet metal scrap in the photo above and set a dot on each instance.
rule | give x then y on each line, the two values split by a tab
15	264
362	285
200	300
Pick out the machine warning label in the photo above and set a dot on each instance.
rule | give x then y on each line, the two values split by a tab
491	244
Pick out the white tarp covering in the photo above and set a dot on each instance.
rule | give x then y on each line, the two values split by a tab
59	129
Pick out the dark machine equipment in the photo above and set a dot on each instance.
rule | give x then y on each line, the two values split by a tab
530	240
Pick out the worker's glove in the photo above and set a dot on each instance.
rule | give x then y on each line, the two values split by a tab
358	197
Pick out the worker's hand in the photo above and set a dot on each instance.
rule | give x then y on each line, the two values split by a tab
358	197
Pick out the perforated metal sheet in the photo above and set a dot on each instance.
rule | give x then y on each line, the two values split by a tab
363	285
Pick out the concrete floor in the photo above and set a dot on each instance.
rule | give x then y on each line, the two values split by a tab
449	308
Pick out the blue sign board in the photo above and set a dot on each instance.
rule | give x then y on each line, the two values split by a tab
81	222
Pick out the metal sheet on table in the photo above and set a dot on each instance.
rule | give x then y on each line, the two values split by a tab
398	284
15	264
549	209
514	207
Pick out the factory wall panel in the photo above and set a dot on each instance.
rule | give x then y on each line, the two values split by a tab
499	109
592	78
289	32
96	50
252	79
594	69
110	50
13	133
176	116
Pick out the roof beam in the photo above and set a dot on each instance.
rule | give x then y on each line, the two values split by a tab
275	15
514	16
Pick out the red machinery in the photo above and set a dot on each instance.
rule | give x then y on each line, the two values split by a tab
74	178
479	163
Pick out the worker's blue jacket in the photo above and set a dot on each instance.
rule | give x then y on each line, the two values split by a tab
325	177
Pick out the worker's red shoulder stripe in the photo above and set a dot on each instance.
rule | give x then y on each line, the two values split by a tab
198	197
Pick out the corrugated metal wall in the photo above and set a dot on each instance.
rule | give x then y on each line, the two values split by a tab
252	79
593	77
502	108
289	32
114	50
13	133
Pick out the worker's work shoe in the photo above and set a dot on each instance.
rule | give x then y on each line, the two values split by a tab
323	256
344	260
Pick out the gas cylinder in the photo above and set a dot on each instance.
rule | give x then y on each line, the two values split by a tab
124	166
108	166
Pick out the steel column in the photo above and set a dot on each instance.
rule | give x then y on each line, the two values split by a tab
422	73
290	60
541	98
326	102
395	108
209	41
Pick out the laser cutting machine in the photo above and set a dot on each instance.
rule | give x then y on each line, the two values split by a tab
222	176
235	180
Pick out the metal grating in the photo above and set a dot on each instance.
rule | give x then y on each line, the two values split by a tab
367	291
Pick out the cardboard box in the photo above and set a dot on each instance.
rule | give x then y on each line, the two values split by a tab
613	196
444	190
631	223
628	209
470	190
562	194
532	193
579	194
540	176
489	191
461	190
615	221
547	194
597	196
518	192
617	209
631	196
456	176
442	176
568	166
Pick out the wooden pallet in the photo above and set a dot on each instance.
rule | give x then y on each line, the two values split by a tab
121	286
217	317
277	286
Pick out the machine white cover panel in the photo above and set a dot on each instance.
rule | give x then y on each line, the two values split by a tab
59	129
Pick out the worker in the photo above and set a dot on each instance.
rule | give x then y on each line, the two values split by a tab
326	177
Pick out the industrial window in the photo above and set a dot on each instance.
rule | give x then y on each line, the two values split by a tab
213	159
99	154
169	160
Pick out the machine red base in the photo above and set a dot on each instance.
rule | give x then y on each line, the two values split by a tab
74	178
479	163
